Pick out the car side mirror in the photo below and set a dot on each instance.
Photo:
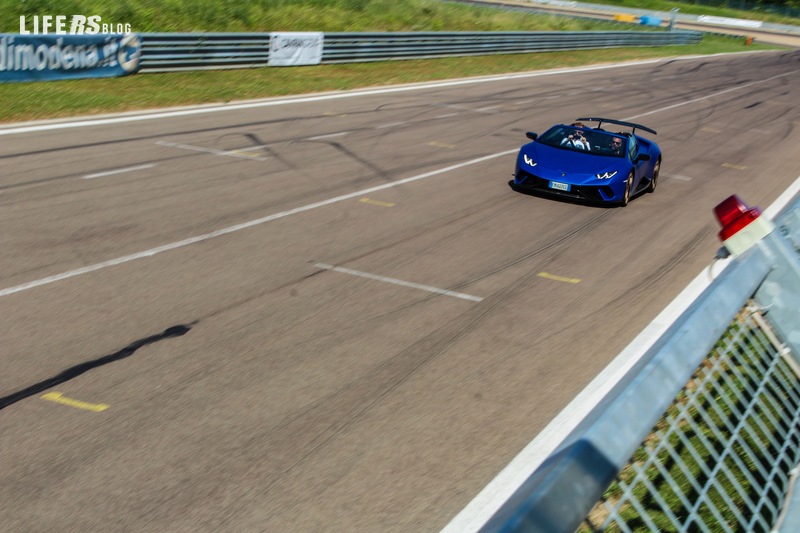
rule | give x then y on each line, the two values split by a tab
530	135
643	157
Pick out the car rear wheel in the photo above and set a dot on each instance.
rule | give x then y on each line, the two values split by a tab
626	196
654	180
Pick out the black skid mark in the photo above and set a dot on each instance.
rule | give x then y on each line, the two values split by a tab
358	159
77	370
271	151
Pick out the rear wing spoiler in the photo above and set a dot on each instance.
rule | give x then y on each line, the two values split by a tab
618	122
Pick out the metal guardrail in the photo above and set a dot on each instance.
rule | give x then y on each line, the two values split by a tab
704	433
348	47
196	51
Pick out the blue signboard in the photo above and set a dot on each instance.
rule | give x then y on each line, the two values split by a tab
60	57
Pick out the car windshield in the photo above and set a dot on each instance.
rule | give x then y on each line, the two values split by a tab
585	140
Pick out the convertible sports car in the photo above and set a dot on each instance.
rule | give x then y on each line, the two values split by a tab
589	163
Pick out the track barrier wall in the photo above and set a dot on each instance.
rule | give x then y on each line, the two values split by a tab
171	52
703	433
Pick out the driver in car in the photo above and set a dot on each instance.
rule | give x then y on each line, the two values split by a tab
617	146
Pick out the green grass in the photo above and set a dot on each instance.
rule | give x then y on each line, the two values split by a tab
289	15
53	99
318	15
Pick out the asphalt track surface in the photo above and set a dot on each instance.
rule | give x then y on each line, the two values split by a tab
332	313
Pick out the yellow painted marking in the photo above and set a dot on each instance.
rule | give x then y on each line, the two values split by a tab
558	278
441	145
332	114
376	202
242	152
735	167
59	398
710	130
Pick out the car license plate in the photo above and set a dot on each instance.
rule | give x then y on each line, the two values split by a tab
559	186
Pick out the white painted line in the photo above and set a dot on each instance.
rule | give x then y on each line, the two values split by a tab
229	153
502	487
400	282
238	227
328	136
246	148
783	200
484	110
446	115
117	171
679	177
390	125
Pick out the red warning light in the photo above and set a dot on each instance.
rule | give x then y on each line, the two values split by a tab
734	215
742	225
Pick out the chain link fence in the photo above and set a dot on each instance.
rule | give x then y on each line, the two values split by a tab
722	456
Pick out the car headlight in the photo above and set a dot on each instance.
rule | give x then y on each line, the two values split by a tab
605	175
529	161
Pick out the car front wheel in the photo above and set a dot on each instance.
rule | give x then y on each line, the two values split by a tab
626	196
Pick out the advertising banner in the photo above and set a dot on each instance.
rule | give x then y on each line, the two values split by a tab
60	57
724	21
297	48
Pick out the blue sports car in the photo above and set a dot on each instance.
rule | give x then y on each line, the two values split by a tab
589	163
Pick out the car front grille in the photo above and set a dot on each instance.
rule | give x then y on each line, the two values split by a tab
525	181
